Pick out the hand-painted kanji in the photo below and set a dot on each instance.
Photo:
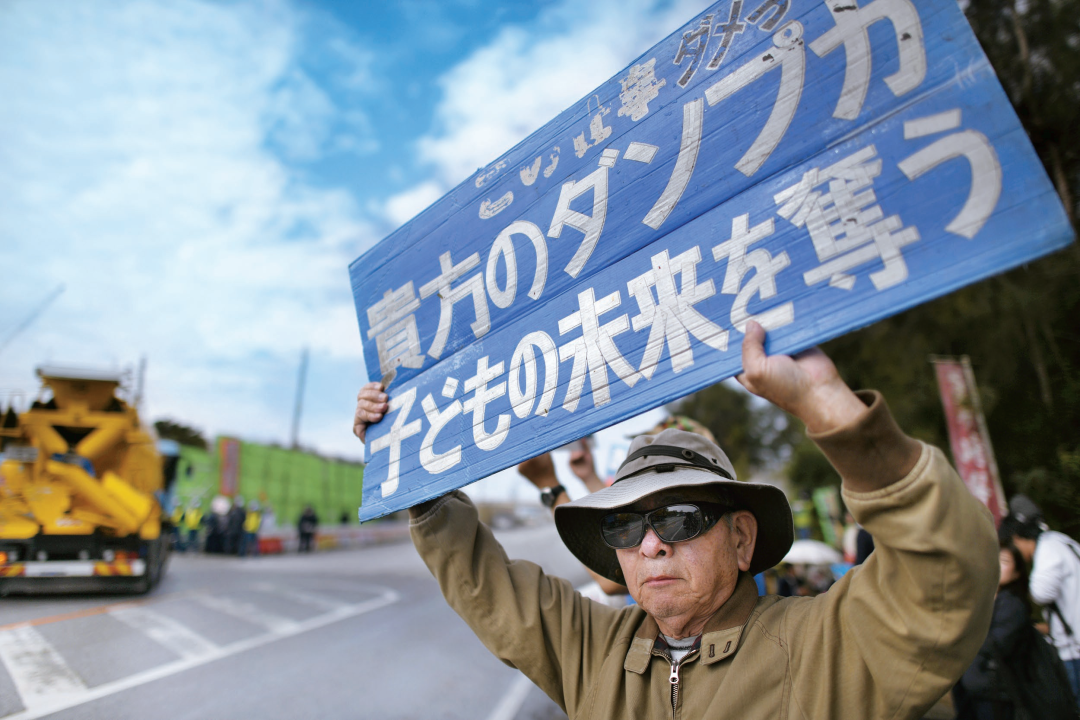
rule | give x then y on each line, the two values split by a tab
741	177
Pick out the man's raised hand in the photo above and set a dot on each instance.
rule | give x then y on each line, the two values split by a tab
806	385
371	405
540	471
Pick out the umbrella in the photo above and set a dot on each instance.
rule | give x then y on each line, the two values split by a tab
812	552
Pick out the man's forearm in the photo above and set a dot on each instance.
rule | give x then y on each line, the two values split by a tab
870	451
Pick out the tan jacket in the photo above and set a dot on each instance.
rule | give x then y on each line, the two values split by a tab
887	641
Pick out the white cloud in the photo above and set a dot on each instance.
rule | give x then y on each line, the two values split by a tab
149	164
525	77
145	165
404	206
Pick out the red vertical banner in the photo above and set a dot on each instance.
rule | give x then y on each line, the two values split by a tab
228	466
968	437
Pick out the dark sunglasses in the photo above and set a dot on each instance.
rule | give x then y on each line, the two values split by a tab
673	523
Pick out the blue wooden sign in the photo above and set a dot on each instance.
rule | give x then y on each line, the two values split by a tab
815	165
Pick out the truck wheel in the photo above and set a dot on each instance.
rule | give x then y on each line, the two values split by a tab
156	554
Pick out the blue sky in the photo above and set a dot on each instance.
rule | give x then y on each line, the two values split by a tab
198	175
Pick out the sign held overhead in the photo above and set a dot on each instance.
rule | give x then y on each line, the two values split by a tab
815	165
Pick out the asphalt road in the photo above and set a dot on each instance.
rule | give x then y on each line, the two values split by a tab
342	634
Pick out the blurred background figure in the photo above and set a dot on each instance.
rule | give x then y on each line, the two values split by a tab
1017	673
234	526
802	510
787	581
1055	577
306	527
864	545
215	524
981	693
191	523
249	543
850	538
176	519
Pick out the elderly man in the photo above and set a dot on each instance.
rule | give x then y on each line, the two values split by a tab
886	641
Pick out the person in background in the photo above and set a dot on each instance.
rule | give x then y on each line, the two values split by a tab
864	545
802	510
269	519
215	522
192	522
1055	578
234	526
306	527
176	519
982	692
249	543
787	583
850	538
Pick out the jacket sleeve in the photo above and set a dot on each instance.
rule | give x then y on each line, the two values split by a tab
894	634
535	623
1047	572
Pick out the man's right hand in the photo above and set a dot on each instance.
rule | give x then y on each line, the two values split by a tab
371	405
540	471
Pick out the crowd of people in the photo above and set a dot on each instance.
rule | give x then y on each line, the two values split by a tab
229	528
233	527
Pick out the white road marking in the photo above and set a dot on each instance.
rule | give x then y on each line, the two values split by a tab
508	707
300	597
39	673
55	704
246	612
175	636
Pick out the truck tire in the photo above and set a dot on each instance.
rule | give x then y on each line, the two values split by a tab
157	554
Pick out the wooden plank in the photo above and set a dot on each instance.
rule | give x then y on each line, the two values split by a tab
837	163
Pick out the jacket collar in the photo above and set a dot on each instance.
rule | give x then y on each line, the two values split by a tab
720	638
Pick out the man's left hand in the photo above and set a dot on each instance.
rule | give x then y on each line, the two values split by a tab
806	385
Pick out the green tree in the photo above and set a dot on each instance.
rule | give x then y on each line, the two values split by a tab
183	434
755	435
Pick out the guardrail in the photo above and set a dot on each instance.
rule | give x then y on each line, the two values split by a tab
333	538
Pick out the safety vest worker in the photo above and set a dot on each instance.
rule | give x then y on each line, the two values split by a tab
192	518
253	521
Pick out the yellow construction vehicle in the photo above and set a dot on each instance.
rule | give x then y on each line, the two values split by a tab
82	485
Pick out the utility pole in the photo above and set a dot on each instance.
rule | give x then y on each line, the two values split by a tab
140	382
32	317
295	444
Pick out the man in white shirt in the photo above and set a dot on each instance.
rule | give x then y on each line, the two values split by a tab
1054	583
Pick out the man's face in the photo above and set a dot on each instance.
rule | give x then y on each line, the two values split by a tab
682	584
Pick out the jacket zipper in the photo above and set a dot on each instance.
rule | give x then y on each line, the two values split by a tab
673	678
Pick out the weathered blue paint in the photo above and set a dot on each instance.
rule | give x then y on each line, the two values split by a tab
1021	219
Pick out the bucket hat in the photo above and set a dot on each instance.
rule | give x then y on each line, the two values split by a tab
669	460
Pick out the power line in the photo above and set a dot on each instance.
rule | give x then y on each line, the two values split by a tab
32	317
